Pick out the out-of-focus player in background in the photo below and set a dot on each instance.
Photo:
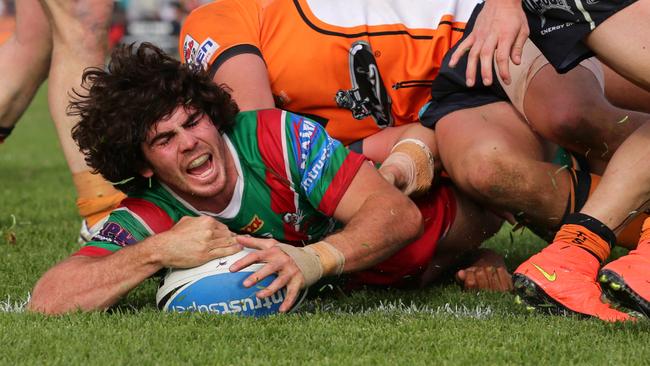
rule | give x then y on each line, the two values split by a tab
58	39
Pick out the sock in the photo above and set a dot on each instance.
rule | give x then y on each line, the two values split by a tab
4	133
587	233
582	185
645	233
96	197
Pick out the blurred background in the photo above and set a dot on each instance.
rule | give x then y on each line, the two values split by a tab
155	21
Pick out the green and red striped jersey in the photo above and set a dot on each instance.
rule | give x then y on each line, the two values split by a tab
292	175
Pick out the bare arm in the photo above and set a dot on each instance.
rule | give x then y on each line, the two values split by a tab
379	221
409	156
96	283
248	79
501	28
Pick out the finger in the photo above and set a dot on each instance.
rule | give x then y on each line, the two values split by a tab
249	259
487	59
273	287
472	61
518	47
470	280
493	279
259	275
254	243
506	279
293	289
499	285
461	276
224	251
463	47
482	281
503	57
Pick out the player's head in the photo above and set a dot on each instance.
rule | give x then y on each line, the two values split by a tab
140	87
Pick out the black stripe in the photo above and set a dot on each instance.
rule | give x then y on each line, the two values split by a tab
161	304
231	52
361	34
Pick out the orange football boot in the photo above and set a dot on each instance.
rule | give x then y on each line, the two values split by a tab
561	280
626	281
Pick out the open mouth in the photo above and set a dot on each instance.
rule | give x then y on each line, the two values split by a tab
201	165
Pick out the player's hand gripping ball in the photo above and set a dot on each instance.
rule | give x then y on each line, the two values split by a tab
212	288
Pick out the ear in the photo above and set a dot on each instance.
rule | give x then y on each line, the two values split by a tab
146	172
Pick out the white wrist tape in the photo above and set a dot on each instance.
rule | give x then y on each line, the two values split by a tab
415	161
316	260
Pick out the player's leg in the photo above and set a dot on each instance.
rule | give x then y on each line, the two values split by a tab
624	94
563	276
575	113
625	191
621	42
493	156
80	40
24	63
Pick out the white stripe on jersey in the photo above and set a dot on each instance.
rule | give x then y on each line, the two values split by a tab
285	154
412	13
135	216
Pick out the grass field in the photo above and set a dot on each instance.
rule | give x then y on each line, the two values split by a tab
439	325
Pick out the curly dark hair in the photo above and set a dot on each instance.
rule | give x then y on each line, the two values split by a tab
140	87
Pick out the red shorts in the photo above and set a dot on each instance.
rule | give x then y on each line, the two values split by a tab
438	210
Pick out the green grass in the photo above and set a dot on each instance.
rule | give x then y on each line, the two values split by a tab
438	325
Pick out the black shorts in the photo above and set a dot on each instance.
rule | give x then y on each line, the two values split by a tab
449	93
558	27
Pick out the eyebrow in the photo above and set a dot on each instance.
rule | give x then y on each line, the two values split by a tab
191	118
160	136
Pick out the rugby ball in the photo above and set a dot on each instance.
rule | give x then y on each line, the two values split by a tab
212	288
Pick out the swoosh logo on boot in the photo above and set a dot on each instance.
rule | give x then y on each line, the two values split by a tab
549	277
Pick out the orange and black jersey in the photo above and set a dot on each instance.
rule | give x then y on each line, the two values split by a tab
354	65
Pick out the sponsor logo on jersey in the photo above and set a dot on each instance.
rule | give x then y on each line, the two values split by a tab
294	219
207	49
306	131
235	306
542	6
190	48
316	171
113	233
368	96
254	225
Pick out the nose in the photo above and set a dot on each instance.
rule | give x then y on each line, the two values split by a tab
187	141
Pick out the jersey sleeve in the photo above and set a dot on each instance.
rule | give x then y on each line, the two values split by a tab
325	168
132	222
217	31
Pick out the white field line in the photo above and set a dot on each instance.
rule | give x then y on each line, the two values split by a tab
10	305
399	307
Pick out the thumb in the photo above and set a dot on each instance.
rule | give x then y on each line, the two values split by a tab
252	242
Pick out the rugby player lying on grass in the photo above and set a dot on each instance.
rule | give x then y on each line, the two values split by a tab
197	175
371	66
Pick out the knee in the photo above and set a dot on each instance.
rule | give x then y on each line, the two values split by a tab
485	173
562	124
573	122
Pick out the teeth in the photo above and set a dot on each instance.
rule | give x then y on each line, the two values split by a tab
198	161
